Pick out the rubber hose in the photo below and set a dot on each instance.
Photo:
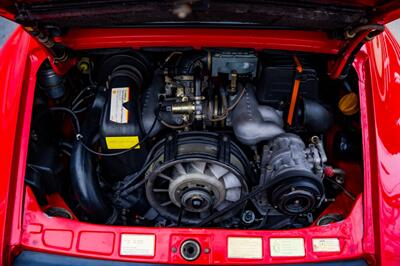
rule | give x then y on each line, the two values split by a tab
84	179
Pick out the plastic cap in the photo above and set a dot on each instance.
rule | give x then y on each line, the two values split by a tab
348	104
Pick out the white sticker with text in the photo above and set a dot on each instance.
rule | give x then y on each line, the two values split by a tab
245	247
137	245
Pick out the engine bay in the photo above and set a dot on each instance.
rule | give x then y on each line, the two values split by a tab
228	138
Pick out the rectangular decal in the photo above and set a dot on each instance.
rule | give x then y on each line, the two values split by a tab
122	142
137	245
287	247
245	248
118	113
326	245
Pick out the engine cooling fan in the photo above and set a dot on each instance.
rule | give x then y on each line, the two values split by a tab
195	175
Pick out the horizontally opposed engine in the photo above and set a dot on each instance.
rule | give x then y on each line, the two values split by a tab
194	139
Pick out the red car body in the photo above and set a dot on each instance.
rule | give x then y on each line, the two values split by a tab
370	232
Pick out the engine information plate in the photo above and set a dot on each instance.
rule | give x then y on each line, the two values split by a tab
326	245
287	247
137	245
245	247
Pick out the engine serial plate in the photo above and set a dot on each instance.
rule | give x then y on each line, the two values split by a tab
245	247
137	245
287	247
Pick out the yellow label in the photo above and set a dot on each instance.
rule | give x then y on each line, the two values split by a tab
122	142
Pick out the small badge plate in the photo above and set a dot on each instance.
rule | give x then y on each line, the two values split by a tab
245	248
326	245
287	247
137	245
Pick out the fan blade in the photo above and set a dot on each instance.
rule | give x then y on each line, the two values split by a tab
166	203
160	190
217	170
231	181
223	205
233	194
204	214
165	177
199	166
180	169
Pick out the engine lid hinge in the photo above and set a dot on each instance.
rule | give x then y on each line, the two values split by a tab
60	56
356	37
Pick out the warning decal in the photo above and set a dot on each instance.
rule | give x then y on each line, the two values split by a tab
122	142
118	113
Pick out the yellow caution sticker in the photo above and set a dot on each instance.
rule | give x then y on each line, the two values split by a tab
122	142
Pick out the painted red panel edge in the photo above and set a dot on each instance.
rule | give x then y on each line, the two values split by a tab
383	98
15	67
11	111
308	41
349	232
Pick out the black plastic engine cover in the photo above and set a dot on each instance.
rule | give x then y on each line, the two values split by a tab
121	122
122	134
277	78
